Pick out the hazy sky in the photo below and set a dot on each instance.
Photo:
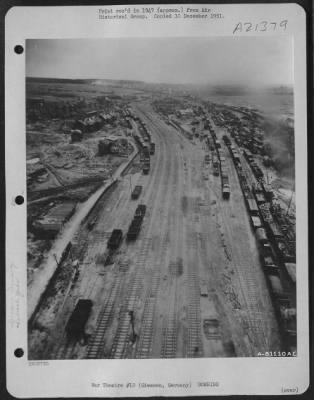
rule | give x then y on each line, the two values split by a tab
231	60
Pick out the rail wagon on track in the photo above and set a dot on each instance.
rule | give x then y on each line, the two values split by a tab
261	236
218	144
226	191
134	229
291	271
226	140
136	192
146	168
216	165
275	286
115	239
269	266
283	252
256	222
236	158
135	226
77	321
140	210
252	207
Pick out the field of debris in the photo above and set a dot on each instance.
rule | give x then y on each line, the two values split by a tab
64	164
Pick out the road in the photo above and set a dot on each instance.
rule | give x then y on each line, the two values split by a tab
192	242
37	286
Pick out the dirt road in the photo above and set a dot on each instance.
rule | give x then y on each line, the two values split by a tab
191	284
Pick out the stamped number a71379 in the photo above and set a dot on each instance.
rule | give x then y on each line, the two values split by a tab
263	26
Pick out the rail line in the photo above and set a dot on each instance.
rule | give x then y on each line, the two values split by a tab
122	335
104	320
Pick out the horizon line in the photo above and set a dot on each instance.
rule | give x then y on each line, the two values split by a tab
165	83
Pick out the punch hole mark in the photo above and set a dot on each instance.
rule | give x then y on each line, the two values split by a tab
19	200
18	49
19	352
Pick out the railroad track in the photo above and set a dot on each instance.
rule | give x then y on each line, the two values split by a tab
122	335
121	339
104	320
121	343
66	351
169	342
254	316
194	346
144	346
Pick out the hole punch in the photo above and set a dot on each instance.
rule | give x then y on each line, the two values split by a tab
19	200
19	352
18	49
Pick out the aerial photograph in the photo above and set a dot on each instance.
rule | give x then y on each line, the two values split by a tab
160	198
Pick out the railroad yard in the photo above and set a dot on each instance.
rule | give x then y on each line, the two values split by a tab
159	225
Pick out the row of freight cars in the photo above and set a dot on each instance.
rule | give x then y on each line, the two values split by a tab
219	163
116	237
145	159
283	235
135	226
144	131
262	205
224	174
285	252
259	202
285	311
150	147
250	137
271	252
146	145
258	173
75	326
244	131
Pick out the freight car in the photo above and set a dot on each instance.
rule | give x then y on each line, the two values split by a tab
152	148
274	231
265	213
211	144
77	321
215	165
275	286
140	210
258	193
283	252
226	191
218	144
136	192
291	271
134	229
248	155
261	236
226	140
256	222
269	265
146	168
268	191
115	239
252	207
258	172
